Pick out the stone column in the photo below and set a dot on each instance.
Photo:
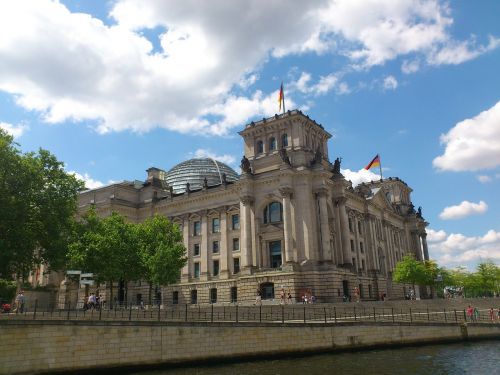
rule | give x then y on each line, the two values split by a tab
287	223
187	270
324	226
417	246
246	232
423	237
224	246
204	247
344	225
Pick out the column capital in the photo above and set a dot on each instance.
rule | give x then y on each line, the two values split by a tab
286	192
246	200
321	192
339	201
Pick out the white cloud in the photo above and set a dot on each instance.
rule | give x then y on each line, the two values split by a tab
360	176
455	52
409	67
462	210
324	84
456	249
484	179
206	153
14	130
90	183
72	66
472	144
390	83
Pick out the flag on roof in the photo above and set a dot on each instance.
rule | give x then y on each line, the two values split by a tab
374	163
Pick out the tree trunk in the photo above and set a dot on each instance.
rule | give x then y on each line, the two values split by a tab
150	293
111	294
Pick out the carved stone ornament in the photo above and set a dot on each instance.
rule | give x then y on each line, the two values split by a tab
284	156
246	200
336	166
245	165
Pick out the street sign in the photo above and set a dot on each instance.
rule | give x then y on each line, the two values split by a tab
73	272
86	275
87	282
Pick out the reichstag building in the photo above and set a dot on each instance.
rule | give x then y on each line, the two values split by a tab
290	221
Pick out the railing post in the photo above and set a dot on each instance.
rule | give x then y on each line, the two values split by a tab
212	313
374	316
186	313
282	313
34	311
100	311
304	314
428	317
324	310
237	314
411	317
465	316
334	314
456	317
392	311
69	308
260	313
445	317
130	312
355	313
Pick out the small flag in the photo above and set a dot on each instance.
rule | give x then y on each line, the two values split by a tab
281	98
374	163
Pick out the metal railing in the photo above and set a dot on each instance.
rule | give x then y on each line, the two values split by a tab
289	313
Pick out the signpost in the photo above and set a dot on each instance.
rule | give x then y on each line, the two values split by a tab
83	279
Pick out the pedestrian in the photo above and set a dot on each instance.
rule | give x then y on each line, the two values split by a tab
282	296
20	301
258	298
498	314
476	314
357	294
492	314
289	297
470	312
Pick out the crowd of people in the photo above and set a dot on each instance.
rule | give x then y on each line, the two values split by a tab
473	314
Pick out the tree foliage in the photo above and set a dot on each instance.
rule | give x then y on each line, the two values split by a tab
485	281
37	205
409	270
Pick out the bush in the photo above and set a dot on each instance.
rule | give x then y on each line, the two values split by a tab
7	290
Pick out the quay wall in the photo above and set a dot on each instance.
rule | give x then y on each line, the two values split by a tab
36	347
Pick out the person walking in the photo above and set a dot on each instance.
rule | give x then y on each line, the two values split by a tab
20	301
476	314
492	314
470	312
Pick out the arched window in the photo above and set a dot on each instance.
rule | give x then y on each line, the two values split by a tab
260	147
284	140
273	213
272	144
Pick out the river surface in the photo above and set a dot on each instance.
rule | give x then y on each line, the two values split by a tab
476	358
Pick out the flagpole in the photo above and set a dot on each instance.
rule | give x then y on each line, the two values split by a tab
283	98
380	166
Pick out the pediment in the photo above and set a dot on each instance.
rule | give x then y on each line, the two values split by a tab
268	228
380	200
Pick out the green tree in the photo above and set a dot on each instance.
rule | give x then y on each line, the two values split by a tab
485	281
411	271
107	247
7	290
161	250
37	205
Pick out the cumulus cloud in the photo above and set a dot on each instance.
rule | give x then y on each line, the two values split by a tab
484	179
14	130
462	210
390	83
206	153
456	249
409	67
324	84
90	183
73	67
472	144
455	52
360	176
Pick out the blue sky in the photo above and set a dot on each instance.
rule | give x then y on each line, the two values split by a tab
115	87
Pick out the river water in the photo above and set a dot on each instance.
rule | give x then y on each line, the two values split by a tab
476	358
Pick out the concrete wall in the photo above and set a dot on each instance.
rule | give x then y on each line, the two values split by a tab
48	346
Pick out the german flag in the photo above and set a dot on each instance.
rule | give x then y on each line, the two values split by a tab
374	163
281	98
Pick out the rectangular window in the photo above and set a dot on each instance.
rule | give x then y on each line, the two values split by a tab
352	245
235	222
236	244
350	224
213	295
196	228
194	297
361	247
175	298
363	264
234	294
370	290
354	264
236	265
196	249
361	293
215	247
216	268
215	225
360	227
197	270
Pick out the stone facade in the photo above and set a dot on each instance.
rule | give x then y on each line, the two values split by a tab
291	221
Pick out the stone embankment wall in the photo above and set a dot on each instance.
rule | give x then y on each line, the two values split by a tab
51	346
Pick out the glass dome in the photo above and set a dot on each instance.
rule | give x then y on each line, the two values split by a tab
195	170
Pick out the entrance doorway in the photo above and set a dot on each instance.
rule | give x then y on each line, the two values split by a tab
345	289
275	254
267	290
